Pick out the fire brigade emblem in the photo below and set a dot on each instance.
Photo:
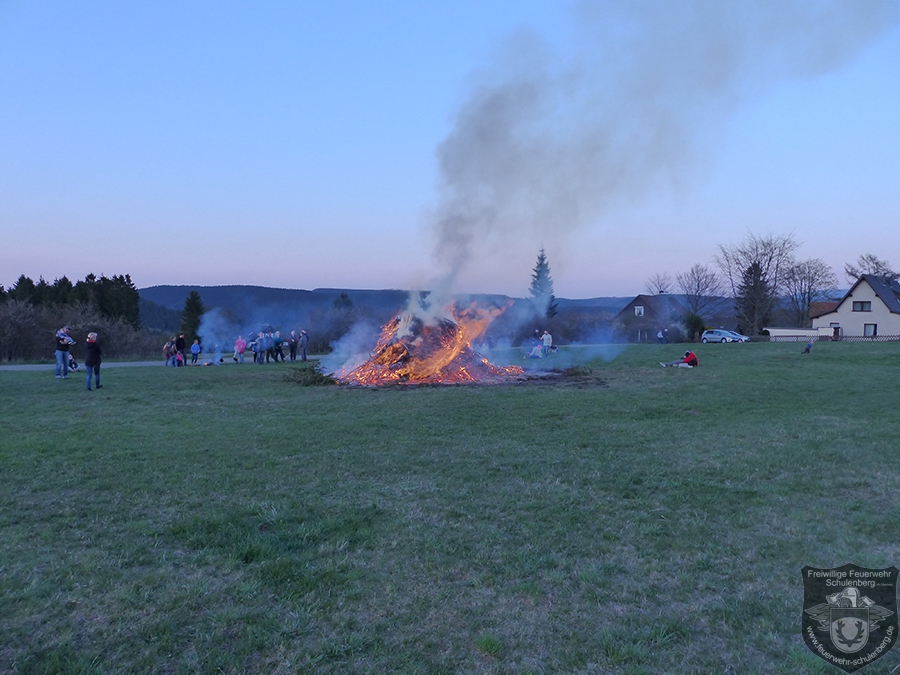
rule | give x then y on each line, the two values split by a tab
849	614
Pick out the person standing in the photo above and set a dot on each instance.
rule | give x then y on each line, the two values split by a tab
63	340
167	349
240	346
92	360
547	342
257	348
270	347
195	352
292	345
278	346
304	342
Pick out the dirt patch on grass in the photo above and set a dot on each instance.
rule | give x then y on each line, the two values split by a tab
576	376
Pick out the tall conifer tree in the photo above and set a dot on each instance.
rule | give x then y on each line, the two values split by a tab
191	316
542	287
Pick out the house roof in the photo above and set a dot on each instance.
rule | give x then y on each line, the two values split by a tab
657	306
817	309
888	291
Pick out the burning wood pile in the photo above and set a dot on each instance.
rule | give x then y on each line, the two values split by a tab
412	350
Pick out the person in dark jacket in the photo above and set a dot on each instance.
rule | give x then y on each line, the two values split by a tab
304	342
63	340
278	346
92	360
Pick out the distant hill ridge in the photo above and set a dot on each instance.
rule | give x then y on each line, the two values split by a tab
173	297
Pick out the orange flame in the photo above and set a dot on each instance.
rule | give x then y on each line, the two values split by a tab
411	351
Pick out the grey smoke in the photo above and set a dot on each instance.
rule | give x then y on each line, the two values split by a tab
352	350
549	142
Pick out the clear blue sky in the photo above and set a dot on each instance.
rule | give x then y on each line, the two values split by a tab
395	144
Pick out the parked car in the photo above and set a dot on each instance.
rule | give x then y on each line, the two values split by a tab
717	335
738	337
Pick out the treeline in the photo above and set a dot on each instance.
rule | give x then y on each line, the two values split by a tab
115	298
31	313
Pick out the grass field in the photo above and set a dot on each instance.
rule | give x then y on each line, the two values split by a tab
618	518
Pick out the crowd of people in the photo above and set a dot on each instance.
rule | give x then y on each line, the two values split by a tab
269	346
266	347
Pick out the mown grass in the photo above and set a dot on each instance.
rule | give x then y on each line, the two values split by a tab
616	517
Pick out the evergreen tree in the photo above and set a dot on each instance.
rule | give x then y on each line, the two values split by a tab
695	325
86	291
754	300
63	291
542	287
191	316
117	298
22	290
42	293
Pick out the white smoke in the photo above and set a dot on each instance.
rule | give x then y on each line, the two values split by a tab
216	332
546	142
352	350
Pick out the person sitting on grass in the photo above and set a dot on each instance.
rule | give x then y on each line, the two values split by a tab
689	360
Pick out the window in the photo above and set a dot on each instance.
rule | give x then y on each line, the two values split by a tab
639	310
862	306
870	329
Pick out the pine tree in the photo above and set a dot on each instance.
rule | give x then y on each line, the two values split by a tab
542	287
22	290
190	317
754	301
117	298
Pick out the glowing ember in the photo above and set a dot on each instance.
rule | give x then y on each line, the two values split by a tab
439	352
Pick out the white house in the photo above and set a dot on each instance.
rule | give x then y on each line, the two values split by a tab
870	308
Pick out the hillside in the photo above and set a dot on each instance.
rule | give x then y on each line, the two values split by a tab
256	305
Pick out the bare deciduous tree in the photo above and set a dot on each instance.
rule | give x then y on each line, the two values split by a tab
869	264
659	284
808	281
701	287
759	264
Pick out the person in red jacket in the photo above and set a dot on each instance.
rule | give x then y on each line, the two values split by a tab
689	360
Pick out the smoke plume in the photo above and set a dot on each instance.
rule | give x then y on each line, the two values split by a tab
547	142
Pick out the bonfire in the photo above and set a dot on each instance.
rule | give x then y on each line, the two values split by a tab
412	350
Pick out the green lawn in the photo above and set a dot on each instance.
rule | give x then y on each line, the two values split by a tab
616	518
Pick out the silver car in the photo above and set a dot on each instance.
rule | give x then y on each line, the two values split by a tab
717	335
